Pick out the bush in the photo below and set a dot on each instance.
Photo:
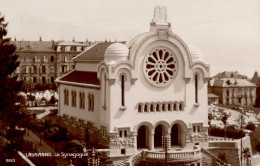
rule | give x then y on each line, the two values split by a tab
257	147
53	112
231	132
250	126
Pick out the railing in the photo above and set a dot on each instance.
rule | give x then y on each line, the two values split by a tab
135	159
174	155
215	158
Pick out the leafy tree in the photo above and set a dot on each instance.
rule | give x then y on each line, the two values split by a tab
210	117
250	126
52	100
222	157
257	100
246	154
224	120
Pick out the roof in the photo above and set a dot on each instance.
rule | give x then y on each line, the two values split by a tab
96	52
71	44
81	77
229	74
211	95
39	46
231	82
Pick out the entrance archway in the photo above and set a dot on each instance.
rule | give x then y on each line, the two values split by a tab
142	137
158	133
175	135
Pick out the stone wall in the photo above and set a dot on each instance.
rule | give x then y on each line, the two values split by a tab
232	149
77	128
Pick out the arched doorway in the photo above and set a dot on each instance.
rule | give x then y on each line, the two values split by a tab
175	135
158	133
142	137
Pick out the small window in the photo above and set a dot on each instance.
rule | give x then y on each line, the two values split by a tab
125	133
169	107
194	128
34	80
163	107
151	108
145	108
123	151
139	108
175	107
52	79
121	133
157	107
52	58
43	80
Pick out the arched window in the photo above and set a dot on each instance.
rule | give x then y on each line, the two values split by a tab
175	107
196	88
123	90
157	107
169	106
105	88
145	108
151	108
139	108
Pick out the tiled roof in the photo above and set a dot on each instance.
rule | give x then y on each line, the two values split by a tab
232	82
39	46
96	52
71	44
229	74
82	77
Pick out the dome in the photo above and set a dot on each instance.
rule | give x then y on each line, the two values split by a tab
116	51
195	53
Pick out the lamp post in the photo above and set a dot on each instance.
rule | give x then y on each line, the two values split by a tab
165	147
241	138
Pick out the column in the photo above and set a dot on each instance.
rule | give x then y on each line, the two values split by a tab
135	142
151	141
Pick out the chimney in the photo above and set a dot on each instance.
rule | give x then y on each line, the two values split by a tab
40	39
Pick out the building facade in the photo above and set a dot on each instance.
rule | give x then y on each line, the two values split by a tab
153	85
41	62
233	89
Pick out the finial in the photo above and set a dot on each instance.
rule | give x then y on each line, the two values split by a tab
160	15
73	39
40	39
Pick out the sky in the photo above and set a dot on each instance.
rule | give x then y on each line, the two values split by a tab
226	31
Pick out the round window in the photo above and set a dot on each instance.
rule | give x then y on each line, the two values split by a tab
160	67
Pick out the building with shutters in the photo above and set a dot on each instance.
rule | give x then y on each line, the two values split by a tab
233	88
41	62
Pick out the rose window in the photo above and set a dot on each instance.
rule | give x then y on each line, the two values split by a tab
160	67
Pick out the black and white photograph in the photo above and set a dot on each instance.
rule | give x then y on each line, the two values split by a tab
130	83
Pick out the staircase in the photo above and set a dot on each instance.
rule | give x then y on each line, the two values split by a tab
123	163
209	159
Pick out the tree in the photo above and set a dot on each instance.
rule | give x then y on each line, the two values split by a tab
224	120
9	99
210	117
250	126
246	154
257	100
8	80
222	157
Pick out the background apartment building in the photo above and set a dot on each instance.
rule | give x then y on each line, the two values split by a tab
41	62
